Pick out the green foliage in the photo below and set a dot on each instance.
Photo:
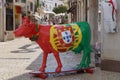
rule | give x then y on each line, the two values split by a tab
60	9
37	4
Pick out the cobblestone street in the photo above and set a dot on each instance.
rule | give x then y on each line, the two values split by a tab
20	56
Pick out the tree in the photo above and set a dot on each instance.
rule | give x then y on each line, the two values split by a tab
37	5
60	9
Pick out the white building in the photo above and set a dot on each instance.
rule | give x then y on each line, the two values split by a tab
48	5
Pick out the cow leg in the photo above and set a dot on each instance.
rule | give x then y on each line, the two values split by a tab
56	54
84	58
42	68
88	60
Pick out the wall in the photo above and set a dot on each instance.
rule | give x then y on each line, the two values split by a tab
0	24
111	42
0	20
92	18
17	19
111	47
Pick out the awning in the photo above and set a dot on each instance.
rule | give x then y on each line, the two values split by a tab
60	14
41	11
71	8
49	12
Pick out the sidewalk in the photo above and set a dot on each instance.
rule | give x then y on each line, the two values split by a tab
20	56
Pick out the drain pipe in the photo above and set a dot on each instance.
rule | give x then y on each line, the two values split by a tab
86	10
3	20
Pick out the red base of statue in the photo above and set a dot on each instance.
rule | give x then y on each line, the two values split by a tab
44	75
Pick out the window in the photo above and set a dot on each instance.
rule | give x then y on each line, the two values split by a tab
16	0
23	1
31	6
9	19
55	4
9	1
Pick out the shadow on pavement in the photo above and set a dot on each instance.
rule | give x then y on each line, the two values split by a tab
23	51
26	49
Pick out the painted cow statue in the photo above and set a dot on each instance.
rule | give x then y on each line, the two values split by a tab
58	38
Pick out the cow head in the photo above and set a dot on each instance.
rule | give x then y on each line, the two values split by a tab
26	29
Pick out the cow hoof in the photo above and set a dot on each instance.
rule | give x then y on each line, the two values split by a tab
42	70
58	70
80	66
